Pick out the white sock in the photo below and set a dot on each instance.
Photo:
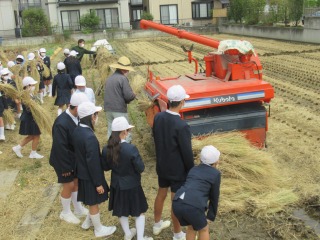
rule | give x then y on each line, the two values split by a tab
77	205
18	147
158	224
140	222
33	152
41	96
1	131
65	204
124	221
178	235
95	219
50	89
59	111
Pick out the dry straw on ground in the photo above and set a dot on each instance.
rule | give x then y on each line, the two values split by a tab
251	180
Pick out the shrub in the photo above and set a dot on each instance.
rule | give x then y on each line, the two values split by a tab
89	22
147	16
35	23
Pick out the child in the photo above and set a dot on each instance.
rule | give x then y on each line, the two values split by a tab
62	159
46	80
80	83
73	65
92	185
28	126
3	106
126	195
191	200
62	84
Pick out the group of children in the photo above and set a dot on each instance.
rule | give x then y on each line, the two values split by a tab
80	165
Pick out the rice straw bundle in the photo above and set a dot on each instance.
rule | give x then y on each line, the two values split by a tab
8	116
40	115
249	176
144	102
46	71
104	59
55	53
9	91
3	57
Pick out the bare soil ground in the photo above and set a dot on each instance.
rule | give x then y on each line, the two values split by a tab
293	141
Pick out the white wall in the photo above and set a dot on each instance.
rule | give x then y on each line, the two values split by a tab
7	21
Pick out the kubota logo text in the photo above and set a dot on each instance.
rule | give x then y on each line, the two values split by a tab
224	99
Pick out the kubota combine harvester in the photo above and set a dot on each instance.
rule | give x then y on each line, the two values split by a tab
229	95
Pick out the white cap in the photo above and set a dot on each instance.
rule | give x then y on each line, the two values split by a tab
209	155
11	64
73	53
120	124
80	81
31	56
42	50
66	51
176	93
4	71
87	108
28	81
61	66
20	56
78	98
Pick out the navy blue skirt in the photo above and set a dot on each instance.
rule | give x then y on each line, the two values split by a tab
29	128
88	194
124	203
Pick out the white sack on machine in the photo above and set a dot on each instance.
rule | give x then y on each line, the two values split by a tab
242	46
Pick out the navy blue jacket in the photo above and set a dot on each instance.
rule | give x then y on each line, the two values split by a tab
202	185
88	157
73	66
62	155
172	138
126	174
63	84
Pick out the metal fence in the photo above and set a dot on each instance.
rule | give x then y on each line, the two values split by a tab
126	26
311	12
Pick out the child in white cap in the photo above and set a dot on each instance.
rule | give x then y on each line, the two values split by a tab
28	126
46	80
126	194
80	83
190	202
73	65
62	159
93	188
62	87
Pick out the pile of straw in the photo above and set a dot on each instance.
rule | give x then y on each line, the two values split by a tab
9	91
46	71
104	59
137	84
251	181
8	116
40	115
55	53
3	57
17	73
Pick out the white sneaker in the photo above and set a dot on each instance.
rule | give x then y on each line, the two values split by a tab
132	234
7	127
69	217
83	212
182	237
164	224
147	238
87	223
105	231
2	138
35	155
17	151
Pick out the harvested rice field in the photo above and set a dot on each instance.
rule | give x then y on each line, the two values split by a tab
273	193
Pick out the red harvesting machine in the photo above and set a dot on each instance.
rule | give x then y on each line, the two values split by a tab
229	95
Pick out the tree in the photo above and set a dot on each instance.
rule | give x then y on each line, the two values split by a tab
237	10
254	11
89	22
35	23
295	10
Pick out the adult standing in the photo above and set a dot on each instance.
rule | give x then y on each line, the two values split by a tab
62	159
93	187
172	137
81	50
73	66
118	92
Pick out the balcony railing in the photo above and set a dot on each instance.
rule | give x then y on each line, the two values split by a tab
67	2
25	4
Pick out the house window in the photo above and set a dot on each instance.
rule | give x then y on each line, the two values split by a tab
109	17
70	20
169	14
136	14
136	2
202	10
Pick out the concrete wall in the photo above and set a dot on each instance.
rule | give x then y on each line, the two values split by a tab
312	23
281	33
7	21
